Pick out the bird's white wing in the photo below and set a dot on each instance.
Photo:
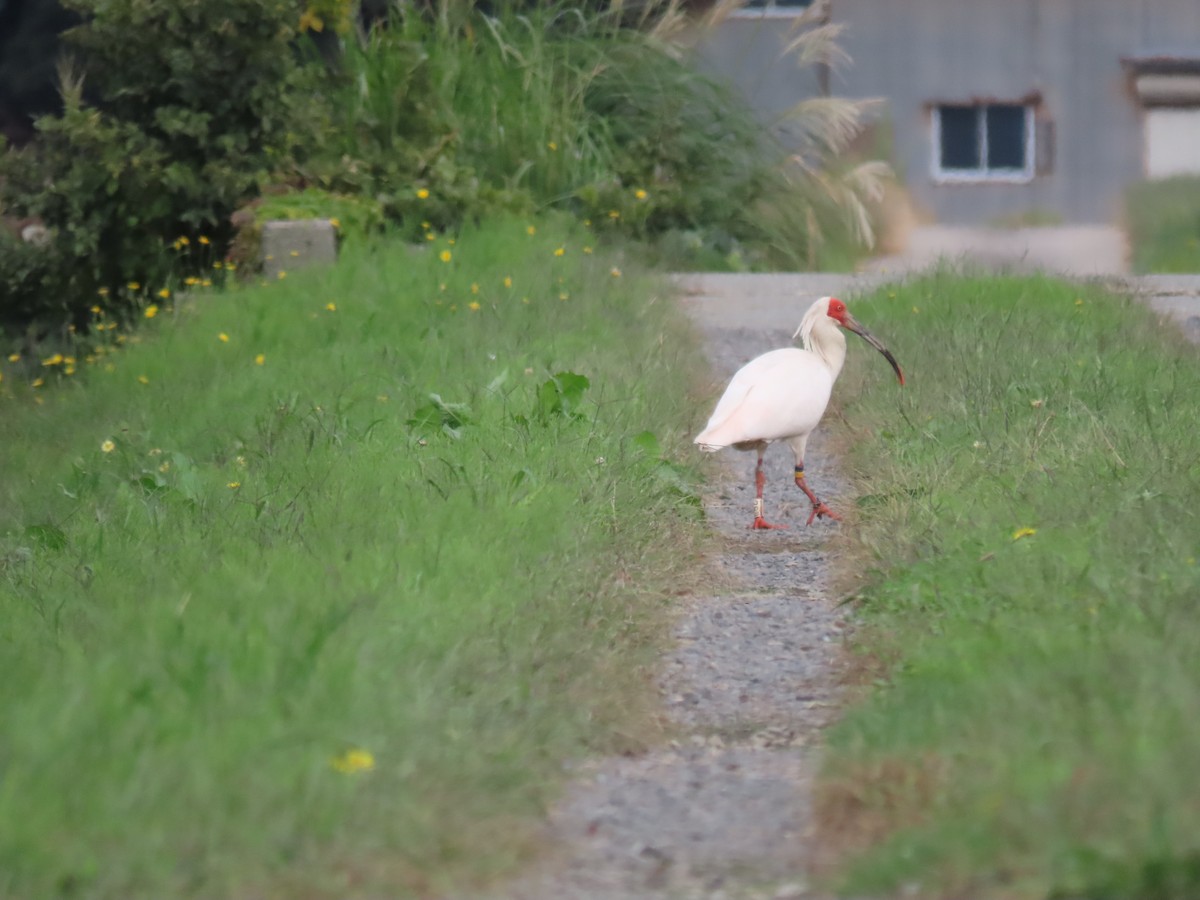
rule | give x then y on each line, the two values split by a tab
778	395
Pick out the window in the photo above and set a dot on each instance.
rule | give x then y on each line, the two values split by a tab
773	7
983	142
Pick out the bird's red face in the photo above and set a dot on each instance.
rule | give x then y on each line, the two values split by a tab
837	311
841	315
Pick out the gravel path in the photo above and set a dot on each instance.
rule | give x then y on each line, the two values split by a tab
723	811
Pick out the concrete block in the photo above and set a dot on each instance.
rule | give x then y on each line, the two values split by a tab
290	244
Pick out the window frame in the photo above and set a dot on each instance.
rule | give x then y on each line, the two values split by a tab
983	174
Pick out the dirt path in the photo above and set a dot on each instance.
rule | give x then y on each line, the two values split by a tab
724	810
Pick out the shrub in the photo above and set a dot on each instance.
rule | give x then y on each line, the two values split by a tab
562	105
193	109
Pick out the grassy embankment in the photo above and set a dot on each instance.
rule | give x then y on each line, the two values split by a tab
1164	224
275	622
1030	535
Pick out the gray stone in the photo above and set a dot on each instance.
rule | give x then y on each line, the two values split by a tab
288	245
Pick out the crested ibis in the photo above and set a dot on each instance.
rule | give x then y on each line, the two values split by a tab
781	396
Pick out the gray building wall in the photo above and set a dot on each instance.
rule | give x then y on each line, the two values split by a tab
918	53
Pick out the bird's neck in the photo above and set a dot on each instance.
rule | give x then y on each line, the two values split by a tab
828	342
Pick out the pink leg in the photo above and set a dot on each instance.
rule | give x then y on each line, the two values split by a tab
760	481
819	509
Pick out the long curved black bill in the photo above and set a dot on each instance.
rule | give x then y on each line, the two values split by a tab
854	325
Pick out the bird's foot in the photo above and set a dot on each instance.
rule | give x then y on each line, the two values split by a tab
761	524
820	510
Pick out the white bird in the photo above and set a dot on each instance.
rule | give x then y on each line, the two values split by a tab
781	396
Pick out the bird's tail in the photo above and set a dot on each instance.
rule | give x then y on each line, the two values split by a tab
704	440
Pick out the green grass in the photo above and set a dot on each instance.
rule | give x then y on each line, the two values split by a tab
1164	224
1034	726
280	562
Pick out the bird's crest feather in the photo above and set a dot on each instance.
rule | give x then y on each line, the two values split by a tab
809	322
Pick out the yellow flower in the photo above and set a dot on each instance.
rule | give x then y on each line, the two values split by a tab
107	446
473	306
38	382
310	21
587	250
430	236
134	286
507	281
615	272
183	241
164	293
97	311
154	451
332	307
335	221
613	214
241	461
422	193
474	288
260	359
223	338
165	467
69	370
191	281
14	357
103	292
564	296
55	360
142	379
530	230
151	311
203	240
234	485
560	251
552	145
444	256
207	282
294	253
353	761
282	275
1023	533
640	194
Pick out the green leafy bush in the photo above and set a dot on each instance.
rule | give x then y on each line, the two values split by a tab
194	107
522	107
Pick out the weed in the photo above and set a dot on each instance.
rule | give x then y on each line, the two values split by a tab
1030	547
